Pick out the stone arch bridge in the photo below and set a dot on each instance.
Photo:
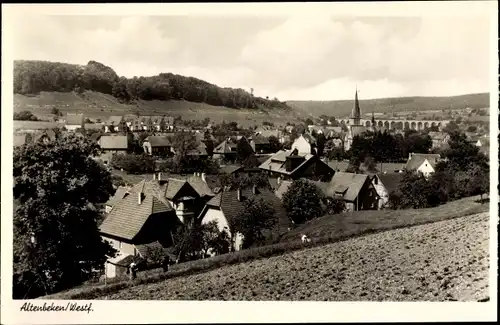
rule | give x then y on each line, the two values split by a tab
401	124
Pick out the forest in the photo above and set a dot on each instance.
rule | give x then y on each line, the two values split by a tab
32	77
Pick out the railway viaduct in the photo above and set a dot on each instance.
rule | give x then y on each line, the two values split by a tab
400	124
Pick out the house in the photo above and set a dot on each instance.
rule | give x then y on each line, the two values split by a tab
260	144
143	216
422	162
356	190
115	124
120	193
385	184
157	146
439	139
74	122
187	195
228	149
228	204
289	164
112	144
305	144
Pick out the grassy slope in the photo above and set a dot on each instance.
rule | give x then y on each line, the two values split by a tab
323	231
97	105
445	260
343	108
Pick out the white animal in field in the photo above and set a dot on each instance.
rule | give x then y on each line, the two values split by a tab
305	239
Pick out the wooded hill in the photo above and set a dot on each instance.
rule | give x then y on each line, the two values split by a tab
388	105
33	77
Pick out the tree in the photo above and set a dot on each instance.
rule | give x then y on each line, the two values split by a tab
25	116
58	186
451	127
334	206
472	128
302	201
309	121
257	216
354	164
274	144
55	111
370	164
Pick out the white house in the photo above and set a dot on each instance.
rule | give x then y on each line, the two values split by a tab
422	162
304	144
229	204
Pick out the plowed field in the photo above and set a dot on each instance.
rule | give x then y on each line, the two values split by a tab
446	260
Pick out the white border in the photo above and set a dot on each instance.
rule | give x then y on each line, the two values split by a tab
226	312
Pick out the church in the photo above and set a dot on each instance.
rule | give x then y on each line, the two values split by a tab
355	127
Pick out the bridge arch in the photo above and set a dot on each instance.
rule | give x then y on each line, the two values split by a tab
420	125
426	125
399	125
380	124
413	125
406	125
386	124
367	124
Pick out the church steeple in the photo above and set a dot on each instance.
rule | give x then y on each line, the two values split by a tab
356	112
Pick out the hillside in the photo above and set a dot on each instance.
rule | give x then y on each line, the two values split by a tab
33	77
442	261
342	108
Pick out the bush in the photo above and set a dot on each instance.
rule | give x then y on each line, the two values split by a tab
133	163
25	116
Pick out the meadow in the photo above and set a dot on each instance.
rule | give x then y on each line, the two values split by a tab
325	230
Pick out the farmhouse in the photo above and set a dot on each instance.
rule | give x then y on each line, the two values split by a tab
112	144
291	165
142	217
385	184
422	162
158	145
228	204
355	189
74	122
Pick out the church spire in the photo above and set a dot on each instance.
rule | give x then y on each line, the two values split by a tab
356	112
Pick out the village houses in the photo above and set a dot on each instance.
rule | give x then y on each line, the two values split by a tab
112	144
424	163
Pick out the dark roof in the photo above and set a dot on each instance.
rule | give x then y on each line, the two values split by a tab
260	140
128	217
390	181
227	202
229	169
159	141
349	184
113	142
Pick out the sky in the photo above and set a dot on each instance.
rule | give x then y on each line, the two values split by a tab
288	57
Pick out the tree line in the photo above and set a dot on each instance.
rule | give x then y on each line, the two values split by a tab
31	77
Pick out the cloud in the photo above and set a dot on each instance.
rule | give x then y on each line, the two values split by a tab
291	58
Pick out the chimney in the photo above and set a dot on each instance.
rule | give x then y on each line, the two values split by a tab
254	189
238	191
203	177
139	198
278	181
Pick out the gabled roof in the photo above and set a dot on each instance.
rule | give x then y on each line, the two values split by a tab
159	141
348	184
417	159
120	193
390	181
229	169
113	142
277	162
74	119
227	202
225	146
128	217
